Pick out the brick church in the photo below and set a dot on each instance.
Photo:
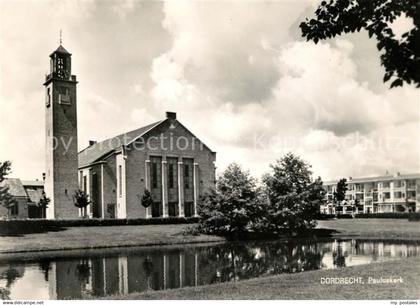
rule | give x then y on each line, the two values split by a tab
163	157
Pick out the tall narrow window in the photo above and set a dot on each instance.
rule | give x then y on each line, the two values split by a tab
120	180
48	98
154	175
84	183
171	176
186	176
80	179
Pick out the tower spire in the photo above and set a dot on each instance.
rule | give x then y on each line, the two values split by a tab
61	37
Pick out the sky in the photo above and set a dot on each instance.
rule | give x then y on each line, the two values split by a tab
237	73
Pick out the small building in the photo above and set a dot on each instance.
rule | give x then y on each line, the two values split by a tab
163	157
27	195
382	194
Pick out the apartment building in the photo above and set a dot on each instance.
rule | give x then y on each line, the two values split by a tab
382	194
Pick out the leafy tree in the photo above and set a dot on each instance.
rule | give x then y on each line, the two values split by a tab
6	199
400	57
43	203
81	201
146	200
340	193
233	207
294	197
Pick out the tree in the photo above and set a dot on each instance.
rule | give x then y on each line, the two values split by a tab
146	200
340	193
294	197
81	201
400	57
43	203
6	199
232	208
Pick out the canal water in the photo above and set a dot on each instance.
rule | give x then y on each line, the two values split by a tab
77	274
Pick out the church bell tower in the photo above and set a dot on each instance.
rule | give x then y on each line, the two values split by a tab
61	136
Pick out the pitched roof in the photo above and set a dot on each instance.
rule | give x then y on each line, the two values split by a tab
15	186
61	50
34	195
94	152
32	183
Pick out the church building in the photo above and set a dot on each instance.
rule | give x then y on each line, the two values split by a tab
164	158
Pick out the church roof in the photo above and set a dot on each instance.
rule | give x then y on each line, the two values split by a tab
61	50
94	152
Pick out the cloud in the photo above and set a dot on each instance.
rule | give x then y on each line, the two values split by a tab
305	98
237	73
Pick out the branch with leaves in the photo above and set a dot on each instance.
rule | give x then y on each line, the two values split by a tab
400	57
6	199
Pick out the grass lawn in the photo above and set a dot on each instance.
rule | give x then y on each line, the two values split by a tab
118	236
373	228
100	237
307	285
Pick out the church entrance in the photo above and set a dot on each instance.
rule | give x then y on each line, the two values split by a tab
173	209
189	209
157	209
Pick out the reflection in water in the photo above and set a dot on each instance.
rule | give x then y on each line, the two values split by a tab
145	269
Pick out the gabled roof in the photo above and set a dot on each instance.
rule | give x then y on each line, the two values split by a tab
94	152
15	186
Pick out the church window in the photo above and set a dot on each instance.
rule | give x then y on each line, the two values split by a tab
60	67
186	176
171	176
84	183
154	175
48	101
80	174
120	180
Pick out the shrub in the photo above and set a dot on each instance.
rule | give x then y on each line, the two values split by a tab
146	200
27	226
324	216
233	206
414	217
192	230
384	215
293	196
344	216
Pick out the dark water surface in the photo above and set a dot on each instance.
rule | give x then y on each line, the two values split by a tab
74	274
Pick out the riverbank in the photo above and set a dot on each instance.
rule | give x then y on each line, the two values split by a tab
307	285
147	235
102	237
